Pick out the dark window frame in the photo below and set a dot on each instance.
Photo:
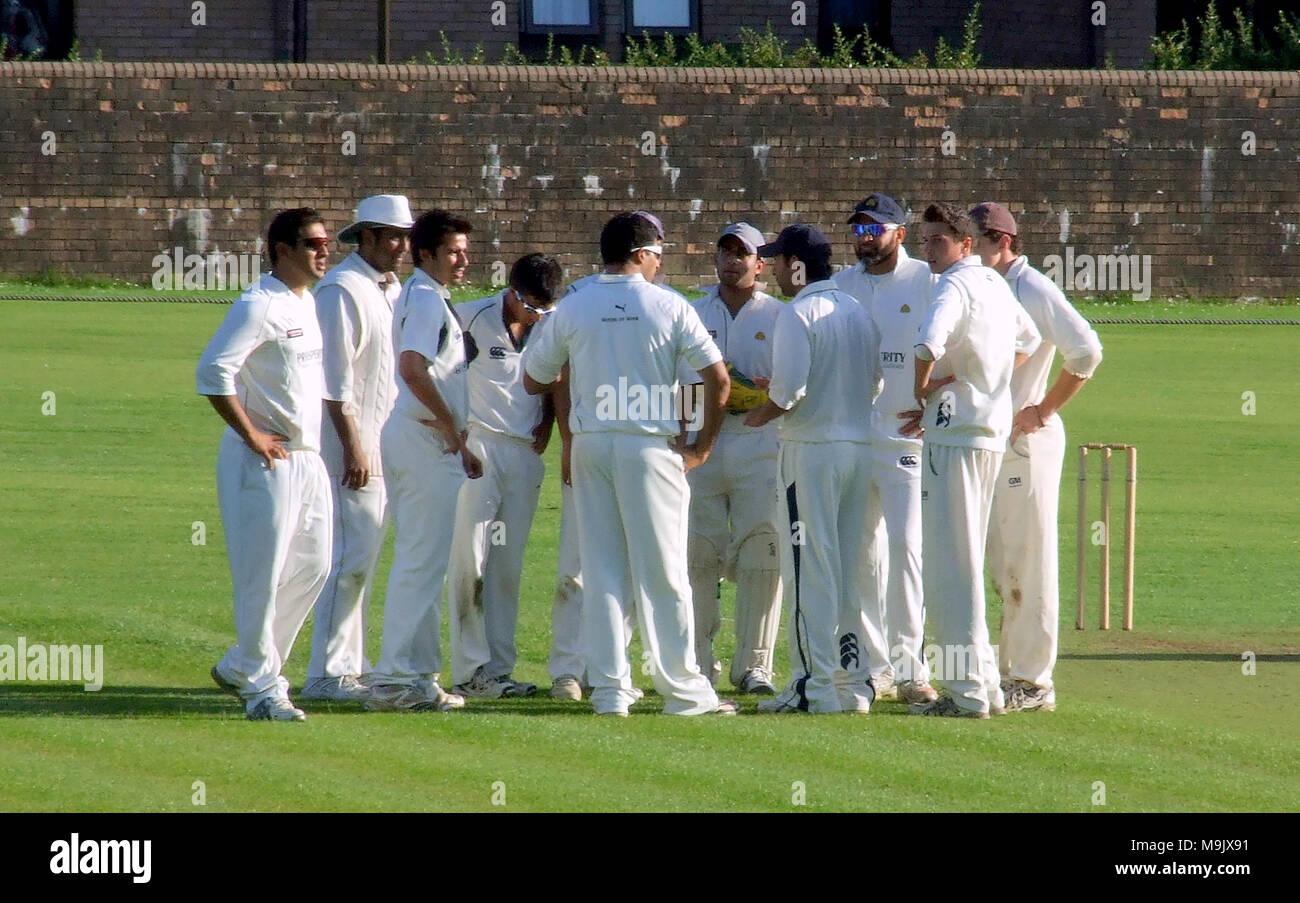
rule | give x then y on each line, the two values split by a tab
528	26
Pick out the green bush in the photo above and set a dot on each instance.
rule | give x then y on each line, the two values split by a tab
1242	47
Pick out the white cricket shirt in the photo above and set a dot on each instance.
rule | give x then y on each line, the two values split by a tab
423	321
897	302
973	330
267	352
825	363
356	323
497	400
1061	326
624	339
745	341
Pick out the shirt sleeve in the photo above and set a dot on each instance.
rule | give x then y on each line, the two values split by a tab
942	319
239	335
1028	338
791	360
1073	336
696	346
545	354
340	327
426	318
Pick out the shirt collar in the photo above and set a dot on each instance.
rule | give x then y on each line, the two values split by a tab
361	265
823	285
1017	266
421	276
972	260
620	277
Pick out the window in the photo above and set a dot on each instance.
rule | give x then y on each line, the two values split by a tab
561	17
681	16
854	17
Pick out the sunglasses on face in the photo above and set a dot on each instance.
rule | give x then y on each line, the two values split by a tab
319	245
875	230
657	250
540	311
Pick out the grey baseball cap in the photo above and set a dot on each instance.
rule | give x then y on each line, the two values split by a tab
990	216
881	208
748	235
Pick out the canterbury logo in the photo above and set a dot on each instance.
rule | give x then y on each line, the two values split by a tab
909	461
848	651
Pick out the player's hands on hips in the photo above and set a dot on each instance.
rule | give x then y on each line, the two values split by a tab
1028	420
934	385
269	445
473	466
691	457
356	468
452	441
911	427
541	438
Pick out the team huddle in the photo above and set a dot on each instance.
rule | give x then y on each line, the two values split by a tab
852	456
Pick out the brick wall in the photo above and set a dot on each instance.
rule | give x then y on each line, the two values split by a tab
235	30
151	156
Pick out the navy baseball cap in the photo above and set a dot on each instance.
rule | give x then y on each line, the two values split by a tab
652	220
800	240
881	208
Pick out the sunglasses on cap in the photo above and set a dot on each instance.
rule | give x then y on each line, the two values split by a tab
875	230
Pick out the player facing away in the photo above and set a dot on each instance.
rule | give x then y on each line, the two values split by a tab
1022	545
623	339
567	664
968	346
734	503
354	303
508	431
425	462
895	290
262	373
825	363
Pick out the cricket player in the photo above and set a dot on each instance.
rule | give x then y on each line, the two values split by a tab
734	500
970	342
508	431
262	374
623	338
825	364
426	460
354	303
566	663
895	290
1022	545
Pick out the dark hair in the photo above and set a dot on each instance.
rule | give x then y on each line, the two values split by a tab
287	228
623	233
539	276
431	228
952	216
995	236
815	269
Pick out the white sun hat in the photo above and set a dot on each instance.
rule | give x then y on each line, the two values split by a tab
381	210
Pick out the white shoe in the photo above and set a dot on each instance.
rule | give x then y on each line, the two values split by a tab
915	692
757	682
883	684
726	707
335	689
412	698
483	687
227	685
566	687
275	708
1026	697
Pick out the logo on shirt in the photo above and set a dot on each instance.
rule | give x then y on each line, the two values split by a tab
947	404
713	334
1014	481
497	353
309	357
905	309
909	461
760	336
294	333
893	360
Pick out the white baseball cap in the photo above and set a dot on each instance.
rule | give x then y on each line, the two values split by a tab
392	210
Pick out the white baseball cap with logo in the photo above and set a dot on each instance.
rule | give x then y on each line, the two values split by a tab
377	212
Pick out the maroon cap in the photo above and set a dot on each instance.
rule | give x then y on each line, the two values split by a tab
989	215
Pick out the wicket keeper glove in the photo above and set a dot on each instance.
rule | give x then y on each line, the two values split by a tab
745	396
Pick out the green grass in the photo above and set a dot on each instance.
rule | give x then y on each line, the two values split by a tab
96	516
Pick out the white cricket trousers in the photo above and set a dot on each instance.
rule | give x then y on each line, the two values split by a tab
1023	551
956	494
632	502
892	577
423	482
567	659
733	532
825	486
279	527
338	637
494	515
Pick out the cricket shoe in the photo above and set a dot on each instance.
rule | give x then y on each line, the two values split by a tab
1022	696
276	708
915	692
756	682
412	698
945	707
883	684
481	686
226	685
517	688
566	687
726	707
790	702
335	689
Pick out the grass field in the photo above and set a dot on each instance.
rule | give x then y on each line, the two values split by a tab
97	514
